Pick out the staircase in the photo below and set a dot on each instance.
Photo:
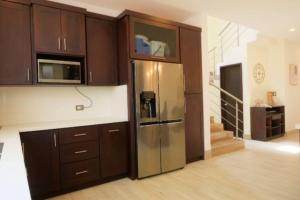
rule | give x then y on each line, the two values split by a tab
223	141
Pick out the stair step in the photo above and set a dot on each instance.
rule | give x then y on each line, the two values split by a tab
221	135
216	127
227	146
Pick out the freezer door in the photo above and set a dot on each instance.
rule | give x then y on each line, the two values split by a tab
172	146
145	80
148	142
171	91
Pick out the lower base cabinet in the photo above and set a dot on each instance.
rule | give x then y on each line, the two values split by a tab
194	128
41	155
60	161
113	150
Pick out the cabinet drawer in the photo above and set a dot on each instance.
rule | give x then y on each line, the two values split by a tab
80	172
79	151
78	134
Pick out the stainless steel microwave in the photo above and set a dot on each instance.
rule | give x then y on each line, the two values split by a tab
59	71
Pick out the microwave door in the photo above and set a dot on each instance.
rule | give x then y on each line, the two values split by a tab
56	71
171	91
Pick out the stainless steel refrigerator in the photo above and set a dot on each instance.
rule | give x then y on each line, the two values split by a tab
160	108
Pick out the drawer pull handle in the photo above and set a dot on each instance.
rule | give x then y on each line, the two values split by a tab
114	130
80	134
81	172
80	152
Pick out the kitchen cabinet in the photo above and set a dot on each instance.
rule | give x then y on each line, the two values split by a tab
113	150
58	31
151	38
190	47
194	127
101	51
15	51
79	155
41	156
67	159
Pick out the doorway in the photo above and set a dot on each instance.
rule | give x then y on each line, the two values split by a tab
231	80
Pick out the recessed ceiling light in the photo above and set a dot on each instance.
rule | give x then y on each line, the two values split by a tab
292	29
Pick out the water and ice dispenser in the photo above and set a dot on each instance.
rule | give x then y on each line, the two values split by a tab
148	104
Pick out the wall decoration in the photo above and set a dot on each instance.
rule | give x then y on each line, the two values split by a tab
293	74
259	73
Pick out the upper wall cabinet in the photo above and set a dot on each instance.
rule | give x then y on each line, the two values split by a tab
15	50
58	31
153	40
101	51
190	47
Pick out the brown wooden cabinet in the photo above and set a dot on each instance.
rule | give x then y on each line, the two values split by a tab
150	38
113	150
194	128
15	50
41	157
73	32
59	161
190	52
58	31
190	46
101	51
267	123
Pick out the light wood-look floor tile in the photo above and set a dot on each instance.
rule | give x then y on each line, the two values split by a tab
263	171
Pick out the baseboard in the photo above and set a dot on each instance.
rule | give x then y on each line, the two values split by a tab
208	154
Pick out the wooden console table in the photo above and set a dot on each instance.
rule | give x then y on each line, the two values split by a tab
267	123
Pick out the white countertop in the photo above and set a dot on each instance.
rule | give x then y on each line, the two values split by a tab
13	178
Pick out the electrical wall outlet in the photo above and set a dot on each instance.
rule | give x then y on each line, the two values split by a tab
79	107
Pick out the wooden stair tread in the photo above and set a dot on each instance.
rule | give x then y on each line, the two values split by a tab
221	135
216	127
227	146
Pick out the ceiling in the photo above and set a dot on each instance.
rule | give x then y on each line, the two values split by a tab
270	17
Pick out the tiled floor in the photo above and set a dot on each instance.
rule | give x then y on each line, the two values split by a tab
263	171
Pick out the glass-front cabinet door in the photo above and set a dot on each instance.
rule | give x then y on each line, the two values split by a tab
152	40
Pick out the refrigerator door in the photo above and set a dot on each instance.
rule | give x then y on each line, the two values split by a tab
171	91
148	142
172	146
146	81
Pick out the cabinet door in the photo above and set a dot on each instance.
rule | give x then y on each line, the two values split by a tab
41	157
15	50
47	29
190	46
102	52
194	128
153	40
73	33
113	150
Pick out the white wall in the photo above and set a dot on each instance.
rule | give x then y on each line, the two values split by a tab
276	55
44	104
292	101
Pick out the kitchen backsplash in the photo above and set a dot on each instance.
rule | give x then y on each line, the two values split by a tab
45	103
